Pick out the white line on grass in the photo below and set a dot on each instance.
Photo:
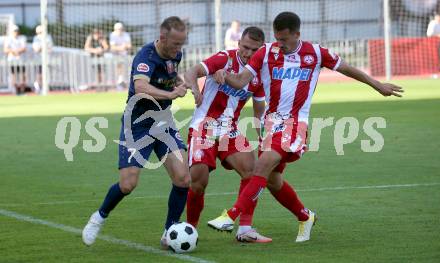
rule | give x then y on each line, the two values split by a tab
367	187
109	239
336	188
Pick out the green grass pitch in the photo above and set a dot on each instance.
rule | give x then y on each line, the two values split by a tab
372	207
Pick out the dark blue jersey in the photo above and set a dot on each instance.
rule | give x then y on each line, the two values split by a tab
159	72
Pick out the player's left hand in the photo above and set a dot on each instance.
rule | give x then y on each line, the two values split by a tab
180	90
219	76
388	89
198	97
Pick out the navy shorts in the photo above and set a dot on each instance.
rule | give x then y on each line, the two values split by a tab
136	151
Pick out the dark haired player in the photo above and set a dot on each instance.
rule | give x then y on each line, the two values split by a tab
213	130
289	71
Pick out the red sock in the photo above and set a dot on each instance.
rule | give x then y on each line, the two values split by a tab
243	184
288	198
246	218
194	207
248	197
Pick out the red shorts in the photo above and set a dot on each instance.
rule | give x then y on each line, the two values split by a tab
205	150
291	146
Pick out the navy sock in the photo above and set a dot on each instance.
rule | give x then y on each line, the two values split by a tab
113	197
176	204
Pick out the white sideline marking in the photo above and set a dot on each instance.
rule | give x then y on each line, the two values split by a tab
336	188
109	239
366	187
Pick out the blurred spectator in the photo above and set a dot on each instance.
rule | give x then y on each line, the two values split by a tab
96	45
233	34
120	46
120	41
37	45
434	27
14	46
434	31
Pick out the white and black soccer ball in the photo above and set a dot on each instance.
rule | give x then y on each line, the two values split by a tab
182	237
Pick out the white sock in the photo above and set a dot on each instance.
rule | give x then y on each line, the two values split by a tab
98	218
243	229
120	79
37	87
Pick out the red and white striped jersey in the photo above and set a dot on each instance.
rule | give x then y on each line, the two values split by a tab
289	80
222	104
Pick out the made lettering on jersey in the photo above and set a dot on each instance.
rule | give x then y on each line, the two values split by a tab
241	94
289	80
302	74
222	104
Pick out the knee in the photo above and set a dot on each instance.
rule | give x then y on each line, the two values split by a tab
198	184
199	178
244	167
274	185
182	179
246	172
265	165
127	186
198	187
128	180
260	168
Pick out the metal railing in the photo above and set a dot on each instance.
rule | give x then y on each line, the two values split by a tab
69	69
75	70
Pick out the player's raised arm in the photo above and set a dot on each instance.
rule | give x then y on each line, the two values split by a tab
334	62
142	86
238	81
205	68
386	89
191	77
259	107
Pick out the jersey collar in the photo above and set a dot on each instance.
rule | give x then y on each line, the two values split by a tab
239	59
296	49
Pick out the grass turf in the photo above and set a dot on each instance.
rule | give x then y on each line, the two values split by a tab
390	224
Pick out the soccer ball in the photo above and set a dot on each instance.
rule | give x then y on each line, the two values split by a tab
182	237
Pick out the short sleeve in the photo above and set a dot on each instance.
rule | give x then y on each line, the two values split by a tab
112	39
6	43
430	30
23	41
329	59
49	41
35	42
257	87
215	62
256	62
127	38
240	34
143	66
228	35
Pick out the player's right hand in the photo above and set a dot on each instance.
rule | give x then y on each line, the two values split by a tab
179	91
388	89
198	97
219	76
